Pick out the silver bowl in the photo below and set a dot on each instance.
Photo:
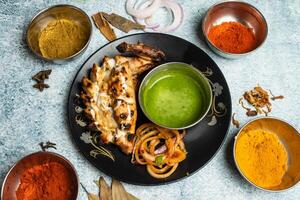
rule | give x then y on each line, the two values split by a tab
41	20
289	137
235	11
12	179
198	76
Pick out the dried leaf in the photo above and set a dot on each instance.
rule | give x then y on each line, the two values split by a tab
90	195
235	122
118	191
121	23
131	197
105	191
104	27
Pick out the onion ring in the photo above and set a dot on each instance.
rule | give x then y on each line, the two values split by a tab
148	140
143	13
178	15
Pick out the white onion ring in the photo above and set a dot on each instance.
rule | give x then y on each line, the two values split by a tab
145	21
143	13
177	11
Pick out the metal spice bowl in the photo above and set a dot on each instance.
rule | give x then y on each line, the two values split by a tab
235	11
42	19
289	137
12	179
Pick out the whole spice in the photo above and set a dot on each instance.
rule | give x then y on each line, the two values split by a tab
232	37
235	122
47	181
259	98
104	27
273	98
40	78
261	157
46	146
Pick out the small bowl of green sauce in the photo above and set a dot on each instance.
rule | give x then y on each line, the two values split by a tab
175	95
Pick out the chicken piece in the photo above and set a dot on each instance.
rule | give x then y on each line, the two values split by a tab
141	50
109	94
137	65
122	91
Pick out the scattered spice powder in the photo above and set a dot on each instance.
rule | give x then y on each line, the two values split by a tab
261	157
48	181
232	37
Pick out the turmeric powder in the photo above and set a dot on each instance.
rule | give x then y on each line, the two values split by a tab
261	157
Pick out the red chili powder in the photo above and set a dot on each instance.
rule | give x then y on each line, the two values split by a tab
48	181
232	37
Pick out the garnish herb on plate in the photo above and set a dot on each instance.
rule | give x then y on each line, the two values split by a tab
104	27
121	23
40	78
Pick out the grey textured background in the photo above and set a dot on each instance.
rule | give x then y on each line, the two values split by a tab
28	116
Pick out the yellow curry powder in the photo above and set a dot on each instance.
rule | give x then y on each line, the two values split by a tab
62	38
261	157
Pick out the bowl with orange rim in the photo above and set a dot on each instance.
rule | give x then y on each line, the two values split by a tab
233	29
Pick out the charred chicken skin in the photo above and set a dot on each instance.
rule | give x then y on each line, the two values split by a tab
109	93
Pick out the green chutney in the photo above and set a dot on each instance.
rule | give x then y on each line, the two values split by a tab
175	97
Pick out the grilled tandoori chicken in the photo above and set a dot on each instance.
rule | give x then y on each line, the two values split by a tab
109	94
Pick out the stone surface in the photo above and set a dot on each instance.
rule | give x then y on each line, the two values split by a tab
28	116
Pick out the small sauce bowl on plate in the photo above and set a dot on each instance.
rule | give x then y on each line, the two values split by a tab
245	15
271	147
12	180
175	95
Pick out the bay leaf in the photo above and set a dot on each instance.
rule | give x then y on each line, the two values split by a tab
105	191
118	191
122	23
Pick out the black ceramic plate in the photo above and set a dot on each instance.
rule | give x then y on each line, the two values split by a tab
202	141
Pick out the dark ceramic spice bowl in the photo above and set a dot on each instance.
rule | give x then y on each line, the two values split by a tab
12	179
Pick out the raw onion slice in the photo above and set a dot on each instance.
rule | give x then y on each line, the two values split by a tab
177	11
143	13
147	21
